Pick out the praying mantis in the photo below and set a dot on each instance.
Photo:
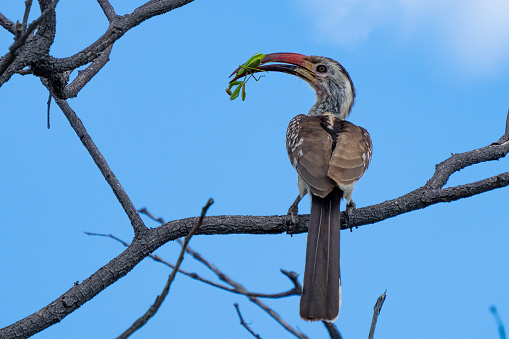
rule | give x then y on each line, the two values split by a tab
251	64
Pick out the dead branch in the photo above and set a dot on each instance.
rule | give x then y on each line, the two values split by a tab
243	323
333	330
160	298
296	290
7	59
44	65
108	10
72	90
238	288
28	6
498	319
103	166
7	24
376	311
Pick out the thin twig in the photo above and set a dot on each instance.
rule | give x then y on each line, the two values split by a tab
333	330
376	311
48	111
255	300
136	222
500	324
243	323
28	6
108	10
296	290
21	27
151	216
164	262
237	288
160	298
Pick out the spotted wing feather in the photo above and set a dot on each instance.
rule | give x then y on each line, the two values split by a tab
309	147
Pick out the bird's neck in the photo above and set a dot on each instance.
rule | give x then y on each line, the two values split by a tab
337	102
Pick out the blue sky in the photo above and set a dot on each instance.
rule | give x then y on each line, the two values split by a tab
432	79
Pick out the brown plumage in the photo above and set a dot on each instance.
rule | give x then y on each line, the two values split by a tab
330	155
327	153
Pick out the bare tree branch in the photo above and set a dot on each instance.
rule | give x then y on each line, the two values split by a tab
500	324
253	299
160	298
48	107
164	262
278	318
243	323
238	288
376	311
44	65
108	10
505	137
7	24
333	330
136	222
28	6
296	290
86	75
7	59
115	31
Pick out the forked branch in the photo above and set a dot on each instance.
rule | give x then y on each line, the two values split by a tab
160	298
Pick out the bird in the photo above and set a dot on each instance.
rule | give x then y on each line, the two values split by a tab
330	155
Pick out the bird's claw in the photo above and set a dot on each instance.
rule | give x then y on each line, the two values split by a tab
348	211
294	212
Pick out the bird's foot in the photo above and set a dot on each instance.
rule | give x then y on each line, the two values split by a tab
348	211
294	212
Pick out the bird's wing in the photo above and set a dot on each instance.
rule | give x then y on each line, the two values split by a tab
351	155
309	147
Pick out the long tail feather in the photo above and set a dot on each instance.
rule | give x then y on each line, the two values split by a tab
321	294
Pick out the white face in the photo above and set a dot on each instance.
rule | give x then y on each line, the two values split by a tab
333	86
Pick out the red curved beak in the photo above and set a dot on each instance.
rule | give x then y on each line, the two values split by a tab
290	63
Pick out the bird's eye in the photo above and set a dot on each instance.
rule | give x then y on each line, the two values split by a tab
321	68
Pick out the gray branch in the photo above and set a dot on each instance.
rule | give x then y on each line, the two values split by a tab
108	10
160	298
101	163
7	24
376	312
36	55
8	59
87	74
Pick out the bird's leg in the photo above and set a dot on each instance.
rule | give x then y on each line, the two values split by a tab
350	206
294	208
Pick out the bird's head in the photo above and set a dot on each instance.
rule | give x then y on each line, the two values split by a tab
335	92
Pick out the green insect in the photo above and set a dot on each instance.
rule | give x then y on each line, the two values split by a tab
246	70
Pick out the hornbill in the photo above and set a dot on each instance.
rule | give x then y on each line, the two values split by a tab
330	155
